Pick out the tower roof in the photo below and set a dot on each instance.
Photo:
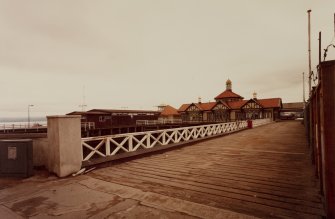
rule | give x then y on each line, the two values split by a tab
228	94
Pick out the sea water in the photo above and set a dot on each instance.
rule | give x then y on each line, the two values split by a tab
19	122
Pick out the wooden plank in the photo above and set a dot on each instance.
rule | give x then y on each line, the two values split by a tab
268	176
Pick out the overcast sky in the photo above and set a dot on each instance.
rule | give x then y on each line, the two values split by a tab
139	54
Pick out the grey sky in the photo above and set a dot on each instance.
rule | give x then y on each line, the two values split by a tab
138	54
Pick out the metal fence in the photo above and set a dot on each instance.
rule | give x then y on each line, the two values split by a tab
7	128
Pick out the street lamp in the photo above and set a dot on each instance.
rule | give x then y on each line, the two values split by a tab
29	114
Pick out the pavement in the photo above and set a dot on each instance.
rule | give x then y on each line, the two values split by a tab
83	196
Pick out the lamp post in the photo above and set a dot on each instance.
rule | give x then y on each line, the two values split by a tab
309	55
29	114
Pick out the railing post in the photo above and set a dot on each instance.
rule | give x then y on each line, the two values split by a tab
108	146
164	138
148	141
130	143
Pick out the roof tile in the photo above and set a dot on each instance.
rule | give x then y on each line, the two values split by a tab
207	106
270	103
169	111
236	104
183	107
228	94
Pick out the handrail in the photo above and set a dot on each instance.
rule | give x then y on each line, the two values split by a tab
159	122
111	145
5	128
88	125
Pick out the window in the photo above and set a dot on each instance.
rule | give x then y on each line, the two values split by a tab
102	119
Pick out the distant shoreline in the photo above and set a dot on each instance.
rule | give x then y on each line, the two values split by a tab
22	119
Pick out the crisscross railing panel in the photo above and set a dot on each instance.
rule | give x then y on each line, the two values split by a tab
106	146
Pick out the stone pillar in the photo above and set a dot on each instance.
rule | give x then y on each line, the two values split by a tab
65	150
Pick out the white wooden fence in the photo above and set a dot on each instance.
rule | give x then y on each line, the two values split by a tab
34	127
159	122
104	148
88	125
107	146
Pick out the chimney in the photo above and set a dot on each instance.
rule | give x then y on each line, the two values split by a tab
199	99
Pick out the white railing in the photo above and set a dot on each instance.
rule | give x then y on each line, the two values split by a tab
170	121
259	122
159	122
88	125
106	146
5	128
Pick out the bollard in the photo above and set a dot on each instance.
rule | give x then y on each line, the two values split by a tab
249	124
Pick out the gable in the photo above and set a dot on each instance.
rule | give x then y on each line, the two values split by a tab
220	106
183	107
192	108
251	104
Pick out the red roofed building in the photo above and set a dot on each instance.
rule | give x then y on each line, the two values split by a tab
168	114
229	106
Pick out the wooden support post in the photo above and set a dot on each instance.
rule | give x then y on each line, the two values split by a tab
318	152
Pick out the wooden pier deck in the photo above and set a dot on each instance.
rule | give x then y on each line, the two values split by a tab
263	172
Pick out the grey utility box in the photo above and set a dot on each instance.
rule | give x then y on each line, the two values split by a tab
16	158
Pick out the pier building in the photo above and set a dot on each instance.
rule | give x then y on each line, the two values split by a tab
107	118
229	106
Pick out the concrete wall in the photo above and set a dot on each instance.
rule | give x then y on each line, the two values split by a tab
40	151
60	151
